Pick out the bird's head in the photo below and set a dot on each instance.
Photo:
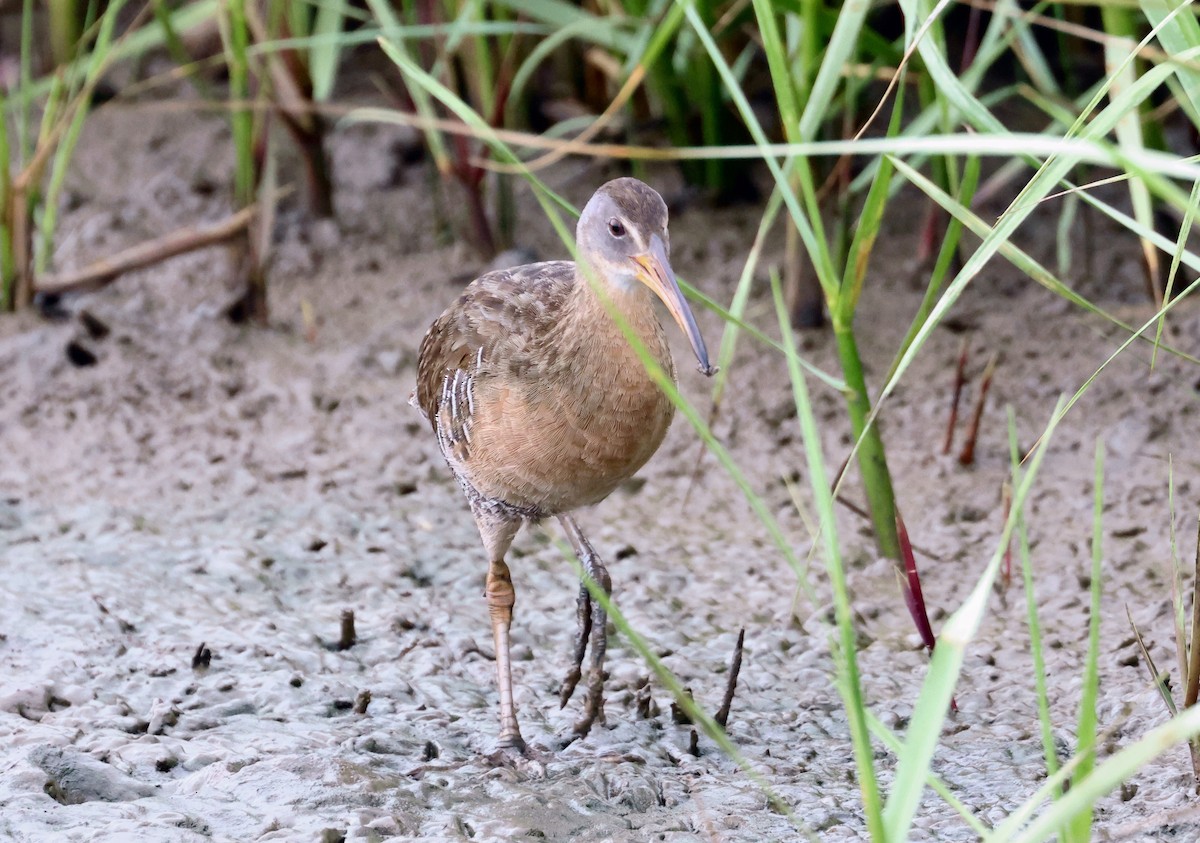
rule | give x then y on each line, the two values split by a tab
622	236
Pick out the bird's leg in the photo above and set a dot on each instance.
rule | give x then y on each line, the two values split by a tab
500	599
497	534
583	615
593	622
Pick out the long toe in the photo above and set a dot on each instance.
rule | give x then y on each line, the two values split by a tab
593	704
568	686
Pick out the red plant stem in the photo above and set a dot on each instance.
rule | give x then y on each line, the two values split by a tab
910	583
960	380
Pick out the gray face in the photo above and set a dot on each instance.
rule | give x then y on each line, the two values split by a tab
617	224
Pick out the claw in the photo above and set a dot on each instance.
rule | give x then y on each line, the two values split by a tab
568	686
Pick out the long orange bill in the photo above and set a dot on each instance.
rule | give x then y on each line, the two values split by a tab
657	274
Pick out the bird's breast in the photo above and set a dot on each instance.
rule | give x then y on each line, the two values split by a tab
566	433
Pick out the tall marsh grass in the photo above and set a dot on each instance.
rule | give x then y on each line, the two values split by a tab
950	128
842	112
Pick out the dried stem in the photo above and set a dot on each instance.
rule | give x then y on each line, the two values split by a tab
348	636
735	667
960	380
967	455
178	242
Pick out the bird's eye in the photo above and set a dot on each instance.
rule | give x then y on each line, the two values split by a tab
615	228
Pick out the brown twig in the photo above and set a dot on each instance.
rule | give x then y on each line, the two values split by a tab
348	636
735	667
1193	673
678	715
178	242
960	380
202	658
967	455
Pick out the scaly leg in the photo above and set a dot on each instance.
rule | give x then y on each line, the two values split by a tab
583	617
500	599
592	630
497	534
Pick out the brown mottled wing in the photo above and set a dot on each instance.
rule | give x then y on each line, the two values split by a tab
495	326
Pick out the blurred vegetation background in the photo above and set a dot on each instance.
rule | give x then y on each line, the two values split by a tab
821	117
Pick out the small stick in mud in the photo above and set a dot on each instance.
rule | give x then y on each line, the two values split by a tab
735	667
202	658
647	709
678	715
960	380
122	624
362	701
967	455
348	636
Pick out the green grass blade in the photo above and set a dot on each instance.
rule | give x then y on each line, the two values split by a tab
1104	778
325	52
1179	615
552	203
894	745
421	100
1130	141
781	66
1080	826
1012	253
933	703
849	684
683	699
97	62
1177	253
1036	646
1179	34
842	44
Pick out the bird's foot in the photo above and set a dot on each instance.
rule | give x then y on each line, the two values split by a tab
512	744
593	704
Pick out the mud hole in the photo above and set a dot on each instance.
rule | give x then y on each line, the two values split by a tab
238	488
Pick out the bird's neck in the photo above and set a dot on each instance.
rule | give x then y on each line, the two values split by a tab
596	306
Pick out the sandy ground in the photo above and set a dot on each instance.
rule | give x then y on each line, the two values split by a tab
236	487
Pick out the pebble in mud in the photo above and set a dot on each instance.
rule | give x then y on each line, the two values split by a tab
75	778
